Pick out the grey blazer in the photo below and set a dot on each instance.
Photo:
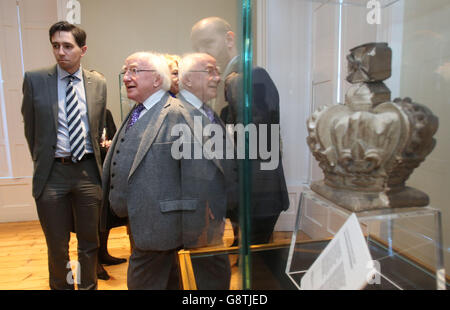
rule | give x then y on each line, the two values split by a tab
40	116
170	202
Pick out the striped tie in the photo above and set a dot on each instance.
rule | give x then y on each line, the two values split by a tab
76	129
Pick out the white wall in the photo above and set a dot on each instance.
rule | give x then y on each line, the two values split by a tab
24	46
425	77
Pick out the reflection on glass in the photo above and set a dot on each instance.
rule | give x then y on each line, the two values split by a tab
299	76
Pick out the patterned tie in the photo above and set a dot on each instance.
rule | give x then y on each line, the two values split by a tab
77	134
135	115
209	113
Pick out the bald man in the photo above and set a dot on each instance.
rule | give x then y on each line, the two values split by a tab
214	36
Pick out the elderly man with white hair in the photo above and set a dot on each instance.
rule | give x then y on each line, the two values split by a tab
269	195
144	182
198	79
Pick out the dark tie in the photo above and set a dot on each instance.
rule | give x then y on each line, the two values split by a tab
77	134
209	113
135	115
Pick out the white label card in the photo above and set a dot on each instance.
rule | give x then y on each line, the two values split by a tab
345	264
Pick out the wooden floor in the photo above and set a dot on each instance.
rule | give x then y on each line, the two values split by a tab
23	257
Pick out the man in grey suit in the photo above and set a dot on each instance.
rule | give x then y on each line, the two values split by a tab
269	196
163	196
199	78
63	110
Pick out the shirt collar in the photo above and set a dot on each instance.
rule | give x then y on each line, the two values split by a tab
62	74
191	98
229	65
153	99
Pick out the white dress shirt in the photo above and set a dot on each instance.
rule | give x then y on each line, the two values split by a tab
193	100
63	139
152	100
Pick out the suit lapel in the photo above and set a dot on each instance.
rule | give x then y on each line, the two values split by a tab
53	94
189	114
89	91
233	66
158	114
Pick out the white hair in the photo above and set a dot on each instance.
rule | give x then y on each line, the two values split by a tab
185	65
160	64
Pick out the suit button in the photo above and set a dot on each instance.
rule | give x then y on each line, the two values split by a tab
112	175
121	140
112	187
114	163
117	151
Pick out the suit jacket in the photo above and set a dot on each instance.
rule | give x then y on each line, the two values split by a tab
269	192
227	167
166	198
40	115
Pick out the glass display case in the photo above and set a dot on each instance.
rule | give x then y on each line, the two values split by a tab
304	46
397	240
291	61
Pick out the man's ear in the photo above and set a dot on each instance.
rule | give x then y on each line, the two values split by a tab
158	81
187	80
229	38
83	50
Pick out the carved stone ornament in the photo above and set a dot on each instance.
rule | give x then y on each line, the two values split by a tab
369	146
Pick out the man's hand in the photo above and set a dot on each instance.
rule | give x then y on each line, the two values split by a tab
106	143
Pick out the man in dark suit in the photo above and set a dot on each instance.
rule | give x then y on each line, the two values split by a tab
63	109
269	196
162	195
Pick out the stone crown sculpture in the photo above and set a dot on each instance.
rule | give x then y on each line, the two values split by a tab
369	146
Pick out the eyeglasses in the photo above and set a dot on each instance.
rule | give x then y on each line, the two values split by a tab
134	71
210	70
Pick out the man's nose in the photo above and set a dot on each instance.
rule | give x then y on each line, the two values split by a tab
126	77
61	51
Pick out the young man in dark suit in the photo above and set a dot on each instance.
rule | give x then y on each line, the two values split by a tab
63	110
